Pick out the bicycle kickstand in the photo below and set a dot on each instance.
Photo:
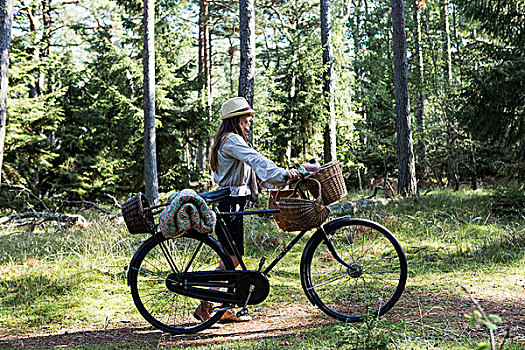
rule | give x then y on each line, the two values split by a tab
244	310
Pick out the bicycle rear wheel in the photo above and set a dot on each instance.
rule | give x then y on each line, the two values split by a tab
157	258
372	280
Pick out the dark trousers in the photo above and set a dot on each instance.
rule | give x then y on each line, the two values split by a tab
234	223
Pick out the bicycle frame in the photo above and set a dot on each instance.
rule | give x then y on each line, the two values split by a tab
251	286
167	290
290	245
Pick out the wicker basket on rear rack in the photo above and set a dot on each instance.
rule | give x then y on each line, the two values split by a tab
333	186
303	212
138	215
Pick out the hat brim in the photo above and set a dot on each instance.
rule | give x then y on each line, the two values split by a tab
234	114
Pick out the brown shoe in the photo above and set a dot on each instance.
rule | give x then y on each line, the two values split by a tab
203	311
231	316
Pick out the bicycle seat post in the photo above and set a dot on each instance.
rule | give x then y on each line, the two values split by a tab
261	263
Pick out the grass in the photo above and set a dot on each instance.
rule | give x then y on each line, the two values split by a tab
54	278
62	277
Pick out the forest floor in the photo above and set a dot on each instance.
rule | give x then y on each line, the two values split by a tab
65	289
281	321
428	312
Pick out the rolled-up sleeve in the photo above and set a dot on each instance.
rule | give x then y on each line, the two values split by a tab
264	168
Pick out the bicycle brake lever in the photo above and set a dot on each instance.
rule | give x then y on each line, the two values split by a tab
302	171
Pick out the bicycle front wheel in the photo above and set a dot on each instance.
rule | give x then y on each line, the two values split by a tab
151	265
370	281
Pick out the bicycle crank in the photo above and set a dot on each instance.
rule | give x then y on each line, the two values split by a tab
228	286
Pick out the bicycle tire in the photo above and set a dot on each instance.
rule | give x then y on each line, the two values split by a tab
372	285
149	268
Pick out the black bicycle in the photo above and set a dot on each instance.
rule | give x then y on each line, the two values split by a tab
350	268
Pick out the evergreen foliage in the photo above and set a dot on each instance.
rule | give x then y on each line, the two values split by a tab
509	199
493	100
75	119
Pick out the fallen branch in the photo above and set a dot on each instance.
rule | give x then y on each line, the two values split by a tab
115	201
88	203
417	250
42	216
20	187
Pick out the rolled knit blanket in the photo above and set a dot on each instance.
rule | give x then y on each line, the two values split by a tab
186	211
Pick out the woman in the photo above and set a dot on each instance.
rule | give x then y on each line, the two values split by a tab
234	163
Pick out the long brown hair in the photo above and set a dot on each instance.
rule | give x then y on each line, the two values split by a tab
229	125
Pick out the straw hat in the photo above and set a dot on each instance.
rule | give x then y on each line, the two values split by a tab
236	106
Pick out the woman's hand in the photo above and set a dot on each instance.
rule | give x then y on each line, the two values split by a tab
292	174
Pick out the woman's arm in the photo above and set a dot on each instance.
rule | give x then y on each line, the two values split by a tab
266	170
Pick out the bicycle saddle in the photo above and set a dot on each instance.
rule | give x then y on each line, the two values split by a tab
215	196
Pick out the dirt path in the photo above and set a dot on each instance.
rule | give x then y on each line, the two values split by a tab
272	323
431	315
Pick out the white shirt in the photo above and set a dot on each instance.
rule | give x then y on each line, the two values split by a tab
236	160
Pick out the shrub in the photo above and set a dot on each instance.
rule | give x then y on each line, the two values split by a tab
509	199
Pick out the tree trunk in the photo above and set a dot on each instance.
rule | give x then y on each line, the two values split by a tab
150	152
204	52
231	53
34	26
420	114
40	26
46	41
406	167
445	31
356	36
452	177
6	23
292	99
247	51
330	152
204	73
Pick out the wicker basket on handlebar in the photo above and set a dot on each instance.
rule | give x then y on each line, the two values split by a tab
273	203
302	212
137	215
333	186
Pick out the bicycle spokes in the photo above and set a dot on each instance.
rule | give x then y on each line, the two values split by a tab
354	270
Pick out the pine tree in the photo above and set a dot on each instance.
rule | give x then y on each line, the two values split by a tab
247	49
328	86
406	165
492	102
150	143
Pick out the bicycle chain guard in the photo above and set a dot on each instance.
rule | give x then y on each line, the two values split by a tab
213	286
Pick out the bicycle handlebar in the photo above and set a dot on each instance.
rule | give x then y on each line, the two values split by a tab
302	172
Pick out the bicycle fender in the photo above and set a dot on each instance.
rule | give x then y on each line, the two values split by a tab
338	222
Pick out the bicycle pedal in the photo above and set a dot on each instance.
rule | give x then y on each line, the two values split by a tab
218	309
242	312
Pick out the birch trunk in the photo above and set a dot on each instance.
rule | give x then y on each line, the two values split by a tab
204	74
420	113
452	175
6	23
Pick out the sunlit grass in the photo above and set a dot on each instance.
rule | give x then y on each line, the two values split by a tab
56	277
